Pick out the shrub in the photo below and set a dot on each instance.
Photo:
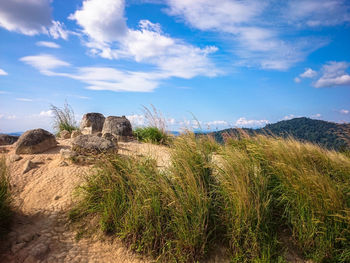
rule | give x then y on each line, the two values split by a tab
4	197
64	118
152	135
244	195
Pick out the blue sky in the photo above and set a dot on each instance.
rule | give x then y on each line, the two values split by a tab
229	63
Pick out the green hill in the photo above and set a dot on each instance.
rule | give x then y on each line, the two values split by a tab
327	134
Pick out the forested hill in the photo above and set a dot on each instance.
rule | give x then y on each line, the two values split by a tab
328	134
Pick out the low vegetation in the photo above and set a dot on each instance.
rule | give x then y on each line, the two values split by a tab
4	197
259	197
155	131
64	118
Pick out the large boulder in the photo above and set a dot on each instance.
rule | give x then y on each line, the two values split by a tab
35	141
120	127
6	139
92	123
92	144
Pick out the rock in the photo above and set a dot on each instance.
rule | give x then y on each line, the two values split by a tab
84	144
39	250
28	165
120	127
64	134
110	137
92	123
6	139
35	141
14	158
62	164
67	154
75	133
16	247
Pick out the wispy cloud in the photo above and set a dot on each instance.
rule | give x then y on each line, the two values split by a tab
44	63
47	44
343	111
48	113
24	99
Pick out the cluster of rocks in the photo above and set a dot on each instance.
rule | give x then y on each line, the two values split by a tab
97	135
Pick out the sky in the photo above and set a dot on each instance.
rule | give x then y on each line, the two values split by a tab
202	63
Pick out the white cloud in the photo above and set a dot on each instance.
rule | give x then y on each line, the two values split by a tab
308	73
243	122
314	13
44	63
47	44
57	30
254	38
297	80
2	116
48	113
111	38
113	25
3	72
24	99
289	117
137	120
316	116
11	117
333	74
217	123
343	111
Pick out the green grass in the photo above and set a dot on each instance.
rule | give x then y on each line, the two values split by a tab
152	135
5	213
243	196
64	118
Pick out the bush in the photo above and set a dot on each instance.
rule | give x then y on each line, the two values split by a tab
152	135
244	195
64	118
4	197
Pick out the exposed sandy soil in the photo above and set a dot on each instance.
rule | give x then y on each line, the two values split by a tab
41	199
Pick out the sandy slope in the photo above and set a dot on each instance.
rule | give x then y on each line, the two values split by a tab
41	199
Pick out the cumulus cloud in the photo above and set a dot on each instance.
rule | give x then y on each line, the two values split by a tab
289	117
111	38
47	44
333	74
3	72
254	38
316	116
243	122
137	120
308	73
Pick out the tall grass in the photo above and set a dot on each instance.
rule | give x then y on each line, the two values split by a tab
4	197
241	195
64	118
156	129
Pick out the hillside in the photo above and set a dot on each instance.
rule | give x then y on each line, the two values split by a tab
327	134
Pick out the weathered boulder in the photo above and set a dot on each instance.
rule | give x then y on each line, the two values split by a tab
92	123
75	133
6	139
110	137
35	141
86	144
28	165
120	127
64	134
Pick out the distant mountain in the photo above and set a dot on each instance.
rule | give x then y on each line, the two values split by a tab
327	134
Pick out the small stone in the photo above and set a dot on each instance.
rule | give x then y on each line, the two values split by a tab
67	154
39	250
48	159
28	165
57	197
64	134
16	247
75	133
62	164
14	158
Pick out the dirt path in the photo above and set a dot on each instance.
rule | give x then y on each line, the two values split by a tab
41	199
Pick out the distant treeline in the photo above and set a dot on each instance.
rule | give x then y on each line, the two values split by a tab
327	134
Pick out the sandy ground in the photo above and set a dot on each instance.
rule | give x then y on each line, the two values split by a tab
41	199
